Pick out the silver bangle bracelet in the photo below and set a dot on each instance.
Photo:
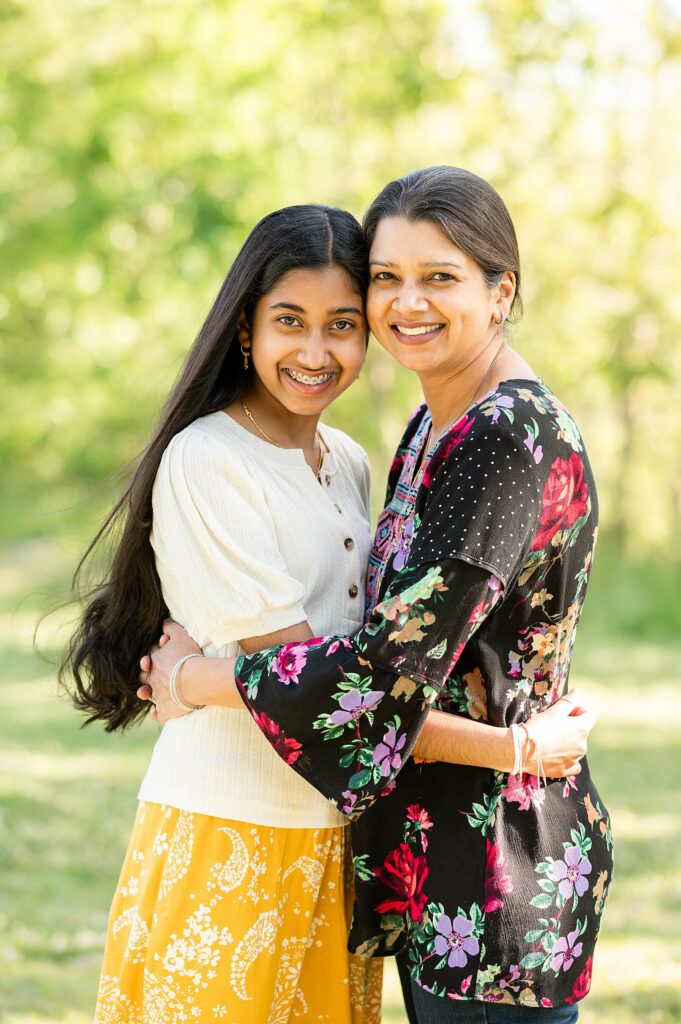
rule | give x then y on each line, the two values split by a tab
174	680
517	751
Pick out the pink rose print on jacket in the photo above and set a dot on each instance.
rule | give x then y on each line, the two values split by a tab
455	436
571	873
288	749
523	790
418	822
564	501
404	872
497	879
291	659
566	951
454	938
354	704
387	753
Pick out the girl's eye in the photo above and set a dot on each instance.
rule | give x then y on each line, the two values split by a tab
289	321
343	325
383	275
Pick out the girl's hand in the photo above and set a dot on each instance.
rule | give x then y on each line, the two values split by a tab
561	734
157	666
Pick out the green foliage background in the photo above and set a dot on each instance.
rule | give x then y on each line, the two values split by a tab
139	142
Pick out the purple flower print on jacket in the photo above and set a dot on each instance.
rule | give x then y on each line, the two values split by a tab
404	546
387	753
566	951
354	704
455	938
571	873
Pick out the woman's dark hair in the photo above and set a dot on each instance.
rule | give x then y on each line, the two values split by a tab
123	614
466	209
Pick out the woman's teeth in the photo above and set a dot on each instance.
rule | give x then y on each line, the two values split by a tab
304	378
423	329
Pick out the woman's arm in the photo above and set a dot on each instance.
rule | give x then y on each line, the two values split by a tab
208	681
560	733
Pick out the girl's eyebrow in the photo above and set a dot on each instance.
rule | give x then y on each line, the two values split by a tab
330	312
288	305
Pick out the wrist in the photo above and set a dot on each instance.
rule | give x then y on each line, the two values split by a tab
191	684
506	750
210	681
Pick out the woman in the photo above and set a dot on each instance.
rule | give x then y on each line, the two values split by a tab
228	903
493	886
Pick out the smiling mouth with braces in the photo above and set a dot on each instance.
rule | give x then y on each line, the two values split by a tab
303	378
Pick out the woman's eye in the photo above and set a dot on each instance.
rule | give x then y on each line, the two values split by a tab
442	276
383	275
343	325
288	321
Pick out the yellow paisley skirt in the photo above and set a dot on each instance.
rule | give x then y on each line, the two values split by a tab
220	920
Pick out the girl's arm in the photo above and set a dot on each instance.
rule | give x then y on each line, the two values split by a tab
560	733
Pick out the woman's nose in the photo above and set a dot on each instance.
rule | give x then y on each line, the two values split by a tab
410	299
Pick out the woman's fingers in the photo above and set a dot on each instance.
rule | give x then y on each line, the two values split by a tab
165	639
145	692
145	663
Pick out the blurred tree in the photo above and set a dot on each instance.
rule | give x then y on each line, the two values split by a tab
140	144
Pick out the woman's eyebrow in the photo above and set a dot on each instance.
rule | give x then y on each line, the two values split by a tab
345	309
431	263
443	263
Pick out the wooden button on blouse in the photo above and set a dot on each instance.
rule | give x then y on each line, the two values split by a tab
353	591
349	543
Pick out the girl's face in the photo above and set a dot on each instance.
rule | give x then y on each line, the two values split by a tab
308	339
429	304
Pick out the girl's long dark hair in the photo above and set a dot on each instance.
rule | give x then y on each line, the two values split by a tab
123	614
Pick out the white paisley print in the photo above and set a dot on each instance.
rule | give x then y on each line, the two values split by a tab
234	922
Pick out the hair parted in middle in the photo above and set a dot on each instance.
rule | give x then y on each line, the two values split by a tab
124	612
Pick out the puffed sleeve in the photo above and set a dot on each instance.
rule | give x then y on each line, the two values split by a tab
216	545
345	712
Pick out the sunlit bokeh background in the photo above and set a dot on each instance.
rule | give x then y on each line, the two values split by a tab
140	142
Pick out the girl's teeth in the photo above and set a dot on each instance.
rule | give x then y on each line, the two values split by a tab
419	330
303	378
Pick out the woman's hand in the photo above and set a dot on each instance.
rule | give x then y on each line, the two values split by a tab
560	734
157	666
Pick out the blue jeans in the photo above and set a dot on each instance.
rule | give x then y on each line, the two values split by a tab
432	1009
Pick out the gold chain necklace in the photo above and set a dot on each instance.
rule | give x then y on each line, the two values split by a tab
318	437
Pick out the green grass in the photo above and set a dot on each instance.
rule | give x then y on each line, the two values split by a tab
67	800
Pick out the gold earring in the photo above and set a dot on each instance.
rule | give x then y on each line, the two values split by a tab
245	349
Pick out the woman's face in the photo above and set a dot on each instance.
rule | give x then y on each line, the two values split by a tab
429	304
308	339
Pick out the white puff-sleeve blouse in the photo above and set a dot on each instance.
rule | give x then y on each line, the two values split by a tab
247	541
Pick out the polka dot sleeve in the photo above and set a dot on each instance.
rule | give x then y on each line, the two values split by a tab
480	502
